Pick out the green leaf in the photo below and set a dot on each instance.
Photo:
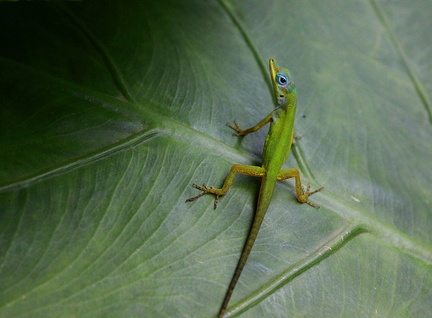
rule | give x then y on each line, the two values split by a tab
111	111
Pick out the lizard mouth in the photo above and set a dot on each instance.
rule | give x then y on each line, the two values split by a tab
273	68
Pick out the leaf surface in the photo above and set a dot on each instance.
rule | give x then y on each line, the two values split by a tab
111	111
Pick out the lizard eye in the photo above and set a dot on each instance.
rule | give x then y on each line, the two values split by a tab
282	79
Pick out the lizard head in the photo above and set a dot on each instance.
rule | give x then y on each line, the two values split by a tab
283	83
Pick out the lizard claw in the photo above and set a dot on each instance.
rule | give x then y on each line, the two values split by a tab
236	127
205	189
307	194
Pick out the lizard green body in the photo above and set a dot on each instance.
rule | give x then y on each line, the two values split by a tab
276	150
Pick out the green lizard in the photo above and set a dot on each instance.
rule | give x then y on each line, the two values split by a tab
276	150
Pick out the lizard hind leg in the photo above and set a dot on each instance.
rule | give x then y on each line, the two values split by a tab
254	171
205	190
302	196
